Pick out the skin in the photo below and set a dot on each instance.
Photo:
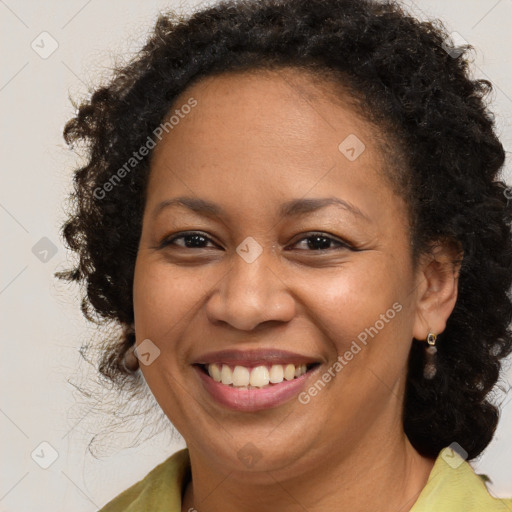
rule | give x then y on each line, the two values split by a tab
254	141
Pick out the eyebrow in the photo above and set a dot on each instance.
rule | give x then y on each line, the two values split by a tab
291	208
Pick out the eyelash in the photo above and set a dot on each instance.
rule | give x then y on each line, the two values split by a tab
341	245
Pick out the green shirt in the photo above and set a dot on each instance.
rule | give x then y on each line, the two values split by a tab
452	486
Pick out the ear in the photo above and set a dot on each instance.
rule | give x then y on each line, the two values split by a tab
437	278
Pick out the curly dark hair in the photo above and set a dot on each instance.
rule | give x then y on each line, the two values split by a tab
406	79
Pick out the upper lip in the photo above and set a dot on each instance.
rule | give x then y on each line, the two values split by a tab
255	357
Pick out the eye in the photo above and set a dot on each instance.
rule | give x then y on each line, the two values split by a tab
197	240
321	242
191	240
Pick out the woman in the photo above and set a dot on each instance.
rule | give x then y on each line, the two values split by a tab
292	209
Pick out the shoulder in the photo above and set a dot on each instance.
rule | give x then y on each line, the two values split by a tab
453	486
159	490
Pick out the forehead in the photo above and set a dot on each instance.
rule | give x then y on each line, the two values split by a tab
257	113
266	101
266	136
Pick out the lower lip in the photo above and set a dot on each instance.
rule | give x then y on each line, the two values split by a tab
250	400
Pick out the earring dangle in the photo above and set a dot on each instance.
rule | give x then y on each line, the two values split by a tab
430	355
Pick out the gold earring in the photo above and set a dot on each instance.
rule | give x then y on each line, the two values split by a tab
430	355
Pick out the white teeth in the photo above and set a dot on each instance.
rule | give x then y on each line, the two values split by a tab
214	371
289	372
276	373
257	377
241	376
226	375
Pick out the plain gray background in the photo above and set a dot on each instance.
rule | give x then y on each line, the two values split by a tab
42	327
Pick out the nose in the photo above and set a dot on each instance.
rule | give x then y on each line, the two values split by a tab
250	294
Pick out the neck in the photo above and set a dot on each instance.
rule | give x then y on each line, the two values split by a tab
386	475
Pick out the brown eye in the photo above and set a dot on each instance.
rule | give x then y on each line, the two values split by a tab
315	242
322	242
191	240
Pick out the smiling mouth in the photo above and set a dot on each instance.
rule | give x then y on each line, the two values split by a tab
256	377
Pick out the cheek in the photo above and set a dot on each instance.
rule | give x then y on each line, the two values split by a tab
343	301
164	296
362	314
163	299
351	299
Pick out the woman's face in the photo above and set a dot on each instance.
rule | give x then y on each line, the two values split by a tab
266	151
